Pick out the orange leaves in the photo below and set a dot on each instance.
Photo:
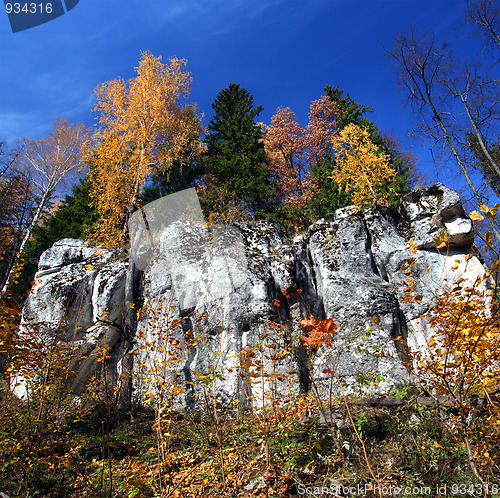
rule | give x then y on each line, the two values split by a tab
363	170
293	149
285	144
143	127
310	324
320	331
320	130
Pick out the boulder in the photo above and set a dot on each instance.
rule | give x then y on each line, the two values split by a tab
434	210
63	253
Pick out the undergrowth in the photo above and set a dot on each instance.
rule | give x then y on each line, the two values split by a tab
84	453
445	442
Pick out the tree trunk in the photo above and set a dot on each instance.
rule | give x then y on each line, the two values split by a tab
128	335
479	137
27	235
461	165
132	296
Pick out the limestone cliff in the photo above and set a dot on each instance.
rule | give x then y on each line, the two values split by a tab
230	285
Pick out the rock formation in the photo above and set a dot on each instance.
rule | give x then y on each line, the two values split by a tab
208	295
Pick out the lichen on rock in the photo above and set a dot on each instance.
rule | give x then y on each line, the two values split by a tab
229	284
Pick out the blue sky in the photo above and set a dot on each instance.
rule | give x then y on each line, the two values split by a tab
282	51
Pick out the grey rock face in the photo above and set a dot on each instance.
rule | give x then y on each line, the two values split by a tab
78	298
63	253
354	293
211	294
433	210
225	293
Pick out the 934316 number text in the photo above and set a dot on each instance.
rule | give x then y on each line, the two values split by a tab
28	8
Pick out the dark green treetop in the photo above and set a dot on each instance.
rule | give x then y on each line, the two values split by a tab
236	167
349	112
177	178
327	196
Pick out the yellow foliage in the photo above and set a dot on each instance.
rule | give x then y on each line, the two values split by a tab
229	212
469	338
461	359
363	169
463	354
476	216
9	321
143	127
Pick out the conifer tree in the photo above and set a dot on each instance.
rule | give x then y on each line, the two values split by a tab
177	178
237	171
327	196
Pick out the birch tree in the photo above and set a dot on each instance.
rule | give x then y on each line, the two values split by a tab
483	16
363	170
144	124
47	162
450	99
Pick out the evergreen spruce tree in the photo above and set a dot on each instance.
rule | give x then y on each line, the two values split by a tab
349	112
236	168
178	177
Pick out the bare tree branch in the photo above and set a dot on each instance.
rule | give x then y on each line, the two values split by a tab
434	85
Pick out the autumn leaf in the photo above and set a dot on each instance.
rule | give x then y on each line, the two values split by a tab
476	216
319	331
328	327
310	323
363	170
442	240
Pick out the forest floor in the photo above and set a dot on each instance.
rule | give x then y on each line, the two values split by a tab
64	449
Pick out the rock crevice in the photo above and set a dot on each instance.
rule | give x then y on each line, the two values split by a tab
231	284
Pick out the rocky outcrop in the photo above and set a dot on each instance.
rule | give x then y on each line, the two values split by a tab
221	307
77	299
